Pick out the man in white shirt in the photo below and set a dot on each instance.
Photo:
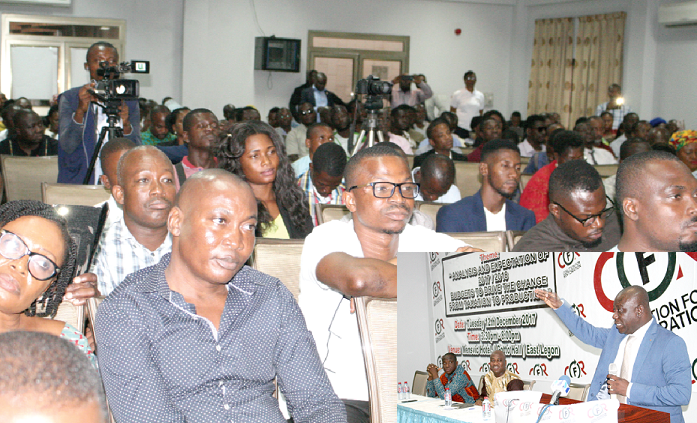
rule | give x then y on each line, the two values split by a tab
594	155
467	103
436	177
653	362
358	257
536	134
615	106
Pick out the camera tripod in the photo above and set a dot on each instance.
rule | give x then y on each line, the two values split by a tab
370	130
112	111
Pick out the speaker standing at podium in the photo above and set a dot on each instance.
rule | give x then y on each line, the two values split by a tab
655	366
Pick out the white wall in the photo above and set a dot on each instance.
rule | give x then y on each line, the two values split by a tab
219	44
153	32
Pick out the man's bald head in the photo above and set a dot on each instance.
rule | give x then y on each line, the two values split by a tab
636	292
136	154
200	183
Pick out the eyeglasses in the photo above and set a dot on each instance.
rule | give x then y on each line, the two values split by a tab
590	219
541	129
386	189
307	112
13	248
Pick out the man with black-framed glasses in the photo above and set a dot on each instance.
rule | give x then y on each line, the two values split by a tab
342	259
579	218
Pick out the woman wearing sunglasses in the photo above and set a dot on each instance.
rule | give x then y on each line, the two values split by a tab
37	259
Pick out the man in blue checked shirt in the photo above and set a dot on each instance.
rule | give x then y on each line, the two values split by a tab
200	337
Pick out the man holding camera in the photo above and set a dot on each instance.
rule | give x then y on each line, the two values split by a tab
81	119
403	94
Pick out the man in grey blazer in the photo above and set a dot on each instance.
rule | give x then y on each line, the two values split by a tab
653	360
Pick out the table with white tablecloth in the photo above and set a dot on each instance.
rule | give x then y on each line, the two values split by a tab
432	410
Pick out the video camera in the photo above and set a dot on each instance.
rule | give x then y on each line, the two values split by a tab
113	88
375	89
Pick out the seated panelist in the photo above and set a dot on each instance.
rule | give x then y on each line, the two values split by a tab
499	379
454	377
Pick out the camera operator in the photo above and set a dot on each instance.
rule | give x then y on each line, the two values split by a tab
402	92
81	120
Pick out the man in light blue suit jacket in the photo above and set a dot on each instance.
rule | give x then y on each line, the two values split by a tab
660	377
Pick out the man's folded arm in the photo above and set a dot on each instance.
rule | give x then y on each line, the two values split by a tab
357	277
134	387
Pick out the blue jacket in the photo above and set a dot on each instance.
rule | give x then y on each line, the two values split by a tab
77	142
661	377
467	215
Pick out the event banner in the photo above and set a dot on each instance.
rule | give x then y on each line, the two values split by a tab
484	302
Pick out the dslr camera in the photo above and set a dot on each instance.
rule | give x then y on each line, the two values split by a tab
372	85
113	88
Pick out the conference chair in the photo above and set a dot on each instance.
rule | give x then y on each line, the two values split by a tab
23	175
578	391
428	208
512	238
377	325
606	171
74	315
418	386
487	241
528	385
524	179
79	195
467	178
329	212
524	161
280	258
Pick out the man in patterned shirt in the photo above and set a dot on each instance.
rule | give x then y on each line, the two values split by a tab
146	191
200	337
158	134
322	182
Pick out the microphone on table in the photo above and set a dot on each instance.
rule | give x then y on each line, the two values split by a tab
613	370
560	388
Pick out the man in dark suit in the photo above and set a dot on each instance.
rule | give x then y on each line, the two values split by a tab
80	119
490	209
294	102
441	139
318	96
653	362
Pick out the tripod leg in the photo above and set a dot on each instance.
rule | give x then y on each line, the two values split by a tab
95	154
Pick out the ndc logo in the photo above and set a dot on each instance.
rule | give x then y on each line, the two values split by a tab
576	369
539	370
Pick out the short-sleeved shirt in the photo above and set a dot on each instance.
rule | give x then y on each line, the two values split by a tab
467	105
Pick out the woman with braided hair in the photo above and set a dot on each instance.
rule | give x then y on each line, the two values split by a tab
37	260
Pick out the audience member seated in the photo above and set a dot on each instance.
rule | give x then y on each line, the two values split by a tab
656	194
399	126
254	151
436	178
593	154
402	92
109	158
28	138
158	133
654	374
454	377
467	103
322	181
295	101
685	144
201	131
357	257
597	124
246	113
608	132
578	217
491	130
145	191
441	141
491	208
566	146
284	122
638	129
515	124
541	159
426	146
228	115
657	135
535	131
51	122
629	120
165	331
317	134
81	119
415	136
36	284
45	379
629	148
420	123
8	113
318	96
295	140
175	125
499	379
272	117
341	122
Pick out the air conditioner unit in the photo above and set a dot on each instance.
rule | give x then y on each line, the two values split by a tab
678	14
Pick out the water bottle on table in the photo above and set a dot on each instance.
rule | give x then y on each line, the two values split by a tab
405	388
486	409
400	394
448	398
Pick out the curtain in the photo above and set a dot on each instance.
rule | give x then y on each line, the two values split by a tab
550	78
599	43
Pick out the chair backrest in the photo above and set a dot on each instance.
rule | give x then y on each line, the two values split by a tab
480	386
524	179
377	320
524	161
329	212
467	178
487	241
512	238
606	170
280	258
578	391
74	315
418	386
528	385
78	195
428	208
23	175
